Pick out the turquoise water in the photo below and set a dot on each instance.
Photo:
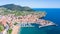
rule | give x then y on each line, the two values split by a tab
52	15
44	30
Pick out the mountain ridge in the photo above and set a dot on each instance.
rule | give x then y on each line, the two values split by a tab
17	7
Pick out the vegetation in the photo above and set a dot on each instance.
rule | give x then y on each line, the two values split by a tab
1	27
10	31
18	10
15	23
16	7
17	13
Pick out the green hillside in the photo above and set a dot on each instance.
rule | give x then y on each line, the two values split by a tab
19	11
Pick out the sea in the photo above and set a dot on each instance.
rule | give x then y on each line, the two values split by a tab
53	14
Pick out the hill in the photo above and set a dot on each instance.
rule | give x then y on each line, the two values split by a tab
16	7
19	10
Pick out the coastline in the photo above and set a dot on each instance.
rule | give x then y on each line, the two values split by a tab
15	29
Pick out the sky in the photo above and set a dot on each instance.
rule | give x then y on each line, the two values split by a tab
33	3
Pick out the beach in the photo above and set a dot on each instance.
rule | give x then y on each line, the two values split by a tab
15	29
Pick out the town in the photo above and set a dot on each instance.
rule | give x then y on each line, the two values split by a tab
9	21
12	19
